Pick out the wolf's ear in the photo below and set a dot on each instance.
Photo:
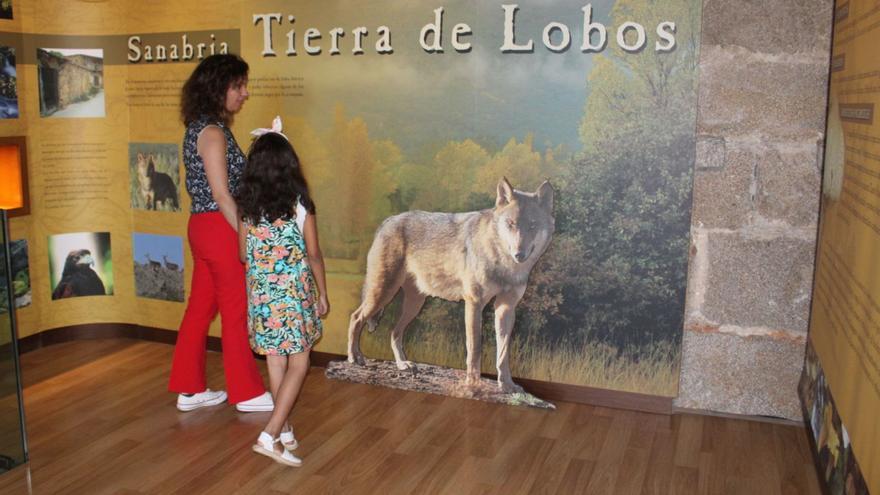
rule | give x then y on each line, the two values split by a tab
505	193
140	156
545	195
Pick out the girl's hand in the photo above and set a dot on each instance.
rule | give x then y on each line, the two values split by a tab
323	306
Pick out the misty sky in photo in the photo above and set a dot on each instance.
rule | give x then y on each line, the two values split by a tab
417	98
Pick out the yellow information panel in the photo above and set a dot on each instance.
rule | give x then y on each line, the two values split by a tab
93	120
845	323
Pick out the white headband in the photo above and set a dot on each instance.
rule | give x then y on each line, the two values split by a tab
276	128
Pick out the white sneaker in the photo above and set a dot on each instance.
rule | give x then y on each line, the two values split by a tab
259	403
201	399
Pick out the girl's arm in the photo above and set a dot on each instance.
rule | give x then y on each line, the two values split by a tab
242	241
316	262
212	149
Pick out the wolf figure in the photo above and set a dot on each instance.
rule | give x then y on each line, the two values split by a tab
154	186
474	257
163	188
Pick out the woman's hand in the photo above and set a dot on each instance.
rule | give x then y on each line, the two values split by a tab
323	306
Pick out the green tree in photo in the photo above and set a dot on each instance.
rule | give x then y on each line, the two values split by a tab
446	186
525	167
627	199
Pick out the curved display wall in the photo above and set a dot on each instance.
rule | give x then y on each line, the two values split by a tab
400	107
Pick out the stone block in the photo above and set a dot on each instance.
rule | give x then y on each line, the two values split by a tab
788	183
723	196
769	26
741	94
758	282
755	183
710	152
753	375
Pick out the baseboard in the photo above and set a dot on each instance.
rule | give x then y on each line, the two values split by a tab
743	417
545	390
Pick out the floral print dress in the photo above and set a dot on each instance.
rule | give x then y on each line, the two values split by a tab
282	317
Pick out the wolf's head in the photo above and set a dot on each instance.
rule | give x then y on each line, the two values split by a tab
524	220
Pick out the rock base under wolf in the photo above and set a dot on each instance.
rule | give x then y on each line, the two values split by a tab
430	379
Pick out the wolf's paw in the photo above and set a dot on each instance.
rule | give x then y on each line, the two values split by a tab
472	380
406	366
510	388
357	359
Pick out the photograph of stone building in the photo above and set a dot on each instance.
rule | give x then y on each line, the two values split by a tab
71	82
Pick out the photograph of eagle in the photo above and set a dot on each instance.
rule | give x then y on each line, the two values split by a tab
78	278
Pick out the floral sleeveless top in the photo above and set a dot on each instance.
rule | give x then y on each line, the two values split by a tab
282	317
196	179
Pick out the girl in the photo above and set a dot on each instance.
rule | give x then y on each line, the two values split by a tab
278	240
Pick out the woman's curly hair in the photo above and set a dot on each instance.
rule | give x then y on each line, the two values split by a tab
204	93
272	181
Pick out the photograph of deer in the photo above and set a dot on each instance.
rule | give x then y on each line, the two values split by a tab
157	279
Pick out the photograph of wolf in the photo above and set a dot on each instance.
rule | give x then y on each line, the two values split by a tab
474	257
612	131
154	171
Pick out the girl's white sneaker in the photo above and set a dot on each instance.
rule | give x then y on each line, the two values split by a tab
266	446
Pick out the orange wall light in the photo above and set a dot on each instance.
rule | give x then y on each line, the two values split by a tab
11	196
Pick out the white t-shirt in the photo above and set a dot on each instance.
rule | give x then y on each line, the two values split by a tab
301	217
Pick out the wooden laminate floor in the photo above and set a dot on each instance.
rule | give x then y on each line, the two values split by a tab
100	421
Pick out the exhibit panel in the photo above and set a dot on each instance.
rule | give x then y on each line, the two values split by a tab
568	127
840	387
406	109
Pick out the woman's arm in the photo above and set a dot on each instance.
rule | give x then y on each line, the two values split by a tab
212	149
316	262
242	241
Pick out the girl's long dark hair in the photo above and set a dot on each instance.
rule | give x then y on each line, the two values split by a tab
272	180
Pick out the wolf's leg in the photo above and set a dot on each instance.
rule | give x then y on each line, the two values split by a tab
413	300
505	315
375	298
473	324
355	327
385	275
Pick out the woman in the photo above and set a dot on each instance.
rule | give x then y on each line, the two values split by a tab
212	95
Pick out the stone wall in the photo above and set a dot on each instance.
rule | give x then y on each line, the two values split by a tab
75	83
760	122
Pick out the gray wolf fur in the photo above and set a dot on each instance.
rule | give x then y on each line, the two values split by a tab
474	257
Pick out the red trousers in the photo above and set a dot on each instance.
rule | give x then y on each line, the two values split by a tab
218	282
